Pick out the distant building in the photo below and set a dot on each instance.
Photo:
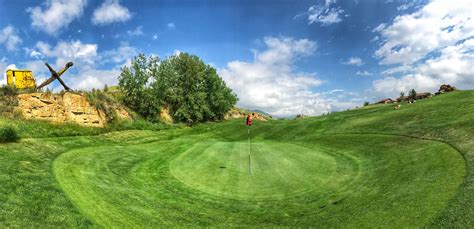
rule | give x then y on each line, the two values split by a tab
385	101
423	95
405	98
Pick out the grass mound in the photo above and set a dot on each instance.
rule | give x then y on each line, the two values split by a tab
8	134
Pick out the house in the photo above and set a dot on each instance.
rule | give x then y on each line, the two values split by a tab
400	99
423	95
385	101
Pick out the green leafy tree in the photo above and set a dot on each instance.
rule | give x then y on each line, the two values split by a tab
412	94
191	90
219	97
402	96
133	82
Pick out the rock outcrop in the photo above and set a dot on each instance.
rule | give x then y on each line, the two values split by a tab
240	113
69	107
165	115
446	88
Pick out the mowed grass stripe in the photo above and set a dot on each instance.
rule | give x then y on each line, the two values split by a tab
416	185
275	170
151	195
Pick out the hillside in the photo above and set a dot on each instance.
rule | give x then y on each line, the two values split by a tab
369	167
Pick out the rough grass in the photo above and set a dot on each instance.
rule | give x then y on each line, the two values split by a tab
44	129
8	134
370	167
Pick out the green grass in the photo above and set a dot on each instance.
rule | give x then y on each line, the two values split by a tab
44	129
369	167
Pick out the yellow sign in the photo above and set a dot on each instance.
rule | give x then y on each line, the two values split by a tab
21	79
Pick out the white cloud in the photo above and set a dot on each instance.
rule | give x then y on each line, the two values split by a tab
430	47
154	37
171	25
398	69
93	78
391	86
74	51
54	15
354	61
412	36
363	73
270	82
3	80
408	5
33	53
341	99
136	32
325	14
3	68
176	52
109	12
119	55
10	38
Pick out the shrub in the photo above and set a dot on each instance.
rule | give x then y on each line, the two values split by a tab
105	103
8	134
7	105
8	90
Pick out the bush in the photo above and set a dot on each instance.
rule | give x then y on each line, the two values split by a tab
8	134
6	90
8	102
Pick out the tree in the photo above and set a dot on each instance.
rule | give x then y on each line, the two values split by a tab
412	94
193	90
366	103
402	96
106	88
133	82
219	97
183	83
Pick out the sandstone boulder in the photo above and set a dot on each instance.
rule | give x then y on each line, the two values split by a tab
69	107
446	88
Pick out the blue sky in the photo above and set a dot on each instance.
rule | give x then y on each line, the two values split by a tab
284	57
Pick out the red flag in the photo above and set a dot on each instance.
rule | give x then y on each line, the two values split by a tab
249	120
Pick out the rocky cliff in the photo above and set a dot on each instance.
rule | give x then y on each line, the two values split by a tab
68	107
242	114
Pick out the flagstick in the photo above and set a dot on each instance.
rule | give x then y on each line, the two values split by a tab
248	134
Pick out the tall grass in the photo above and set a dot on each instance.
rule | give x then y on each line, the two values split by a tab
8	134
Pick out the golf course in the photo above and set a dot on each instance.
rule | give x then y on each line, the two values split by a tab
368	167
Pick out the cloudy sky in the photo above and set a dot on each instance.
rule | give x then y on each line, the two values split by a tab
285	57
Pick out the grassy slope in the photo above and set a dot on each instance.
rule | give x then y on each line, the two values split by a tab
32	197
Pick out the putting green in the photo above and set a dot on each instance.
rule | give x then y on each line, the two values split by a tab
277	170
336	180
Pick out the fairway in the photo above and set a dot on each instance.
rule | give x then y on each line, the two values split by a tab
189	182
